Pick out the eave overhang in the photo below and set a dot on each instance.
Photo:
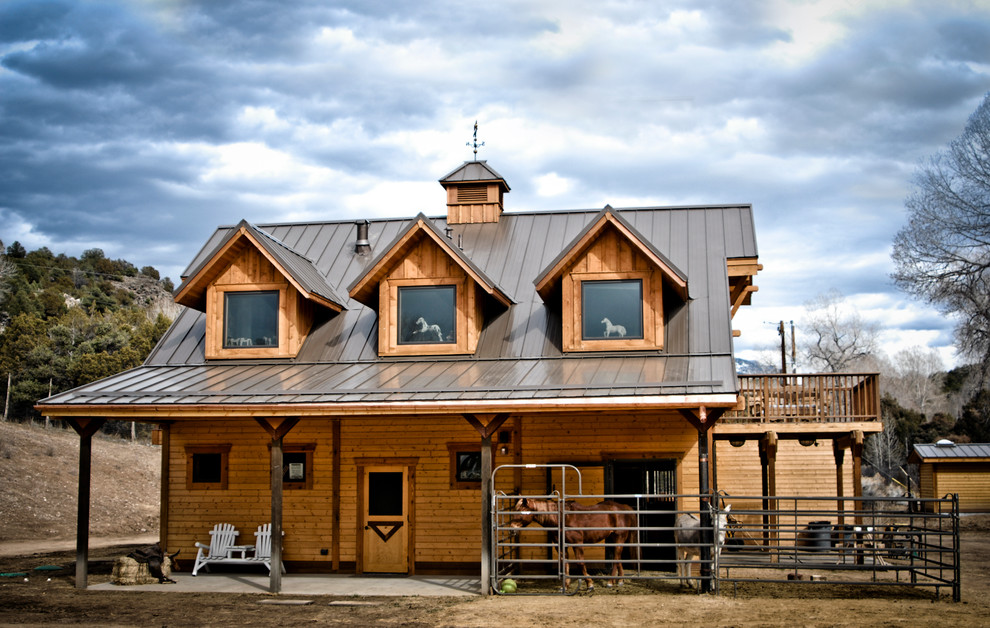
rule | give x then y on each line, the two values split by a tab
298	270
169	412
365	288
550	277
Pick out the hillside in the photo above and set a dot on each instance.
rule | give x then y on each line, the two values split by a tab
39	471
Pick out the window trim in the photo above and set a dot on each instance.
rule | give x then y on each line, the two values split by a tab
296	448
398	319
226	314
572	312
458	448
223	450
388	327
584	284
216	298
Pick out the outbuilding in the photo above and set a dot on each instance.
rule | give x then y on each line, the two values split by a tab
946	467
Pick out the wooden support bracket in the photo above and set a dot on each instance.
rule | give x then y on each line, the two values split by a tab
487	427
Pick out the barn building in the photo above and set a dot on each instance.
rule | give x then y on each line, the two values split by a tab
355	383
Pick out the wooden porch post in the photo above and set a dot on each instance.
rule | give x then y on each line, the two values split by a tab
485	430
277	429
768	460
166	446
703	420
85	427
839	454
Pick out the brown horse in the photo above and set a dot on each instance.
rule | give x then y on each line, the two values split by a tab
613	522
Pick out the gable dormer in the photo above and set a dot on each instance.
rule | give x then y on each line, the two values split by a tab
474	193
611	282
427	294
260	297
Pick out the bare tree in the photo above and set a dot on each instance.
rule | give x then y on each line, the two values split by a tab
921	372
942	256
836	338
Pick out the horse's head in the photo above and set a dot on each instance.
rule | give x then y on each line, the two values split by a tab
605	321
523	514
722	521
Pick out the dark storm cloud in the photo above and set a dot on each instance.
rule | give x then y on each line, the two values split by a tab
139	126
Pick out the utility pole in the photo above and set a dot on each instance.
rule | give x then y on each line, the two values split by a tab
783	348
793	350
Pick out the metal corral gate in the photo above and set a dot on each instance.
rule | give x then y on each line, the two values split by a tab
842	540
795	540
538	558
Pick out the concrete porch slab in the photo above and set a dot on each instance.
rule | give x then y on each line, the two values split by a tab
311	584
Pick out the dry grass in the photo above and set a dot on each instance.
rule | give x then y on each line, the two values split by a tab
39	471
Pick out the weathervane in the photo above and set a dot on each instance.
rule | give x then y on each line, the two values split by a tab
475	143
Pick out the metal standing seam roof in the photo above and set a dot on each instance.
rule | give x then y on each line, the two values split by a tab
961	451
298	266
518	355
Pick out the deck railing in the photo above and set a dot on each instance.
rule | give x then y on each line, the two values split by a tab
807	398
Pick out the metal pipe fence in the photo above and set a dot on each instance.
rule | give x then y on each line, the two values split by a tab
828	540
841	540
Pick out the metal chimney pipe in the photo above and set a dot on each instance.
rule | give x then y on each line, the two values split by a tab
362	246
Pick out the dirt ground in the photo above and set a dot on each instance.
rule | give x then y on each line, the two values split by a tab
49	597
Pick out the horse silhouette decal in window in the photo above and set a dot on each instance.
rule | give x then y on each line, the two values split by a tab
427	315
612	309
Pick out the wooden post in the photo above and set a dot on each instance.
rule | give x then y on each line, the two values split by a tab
839	454
705	502
768	462
166	449
486	429
275	580
486	514
85	427
277	429
335	499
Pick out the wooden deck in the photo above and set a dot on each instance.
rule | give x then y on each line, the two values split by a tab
807	398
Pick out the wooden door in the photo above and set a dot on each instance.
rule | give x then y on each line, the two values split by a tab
386	519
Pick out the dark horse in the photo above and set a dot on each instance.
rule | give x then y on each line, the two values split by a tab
614	523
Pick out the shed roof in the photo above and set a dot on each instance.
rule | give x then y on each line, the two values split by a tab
955	452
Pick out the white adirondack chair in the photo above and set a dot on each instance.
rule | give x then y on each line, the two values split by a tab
222	537
263	546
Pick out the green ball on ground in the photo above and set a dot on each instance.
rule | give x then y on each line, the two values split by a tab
508	586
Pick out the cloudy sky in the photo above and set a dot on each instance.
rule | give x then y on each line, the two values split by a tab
139	126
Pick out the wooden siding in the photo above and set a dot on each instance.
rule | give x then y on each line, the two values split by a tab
970	480
473	202
447	520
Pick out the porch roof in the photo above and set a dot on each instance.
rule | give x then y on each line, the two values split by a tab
633	378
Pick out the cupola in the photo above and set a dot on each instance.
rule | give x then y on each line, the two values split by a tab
474	193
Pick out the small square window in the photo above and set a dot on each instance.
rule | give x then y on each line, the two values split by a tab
612	309
427	315
206	466
465	465
250	319
297	465
469	466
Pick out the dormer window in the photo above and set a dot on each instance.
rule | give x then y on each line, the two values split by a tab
428	294
612	309
250	319
427	315
609	283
